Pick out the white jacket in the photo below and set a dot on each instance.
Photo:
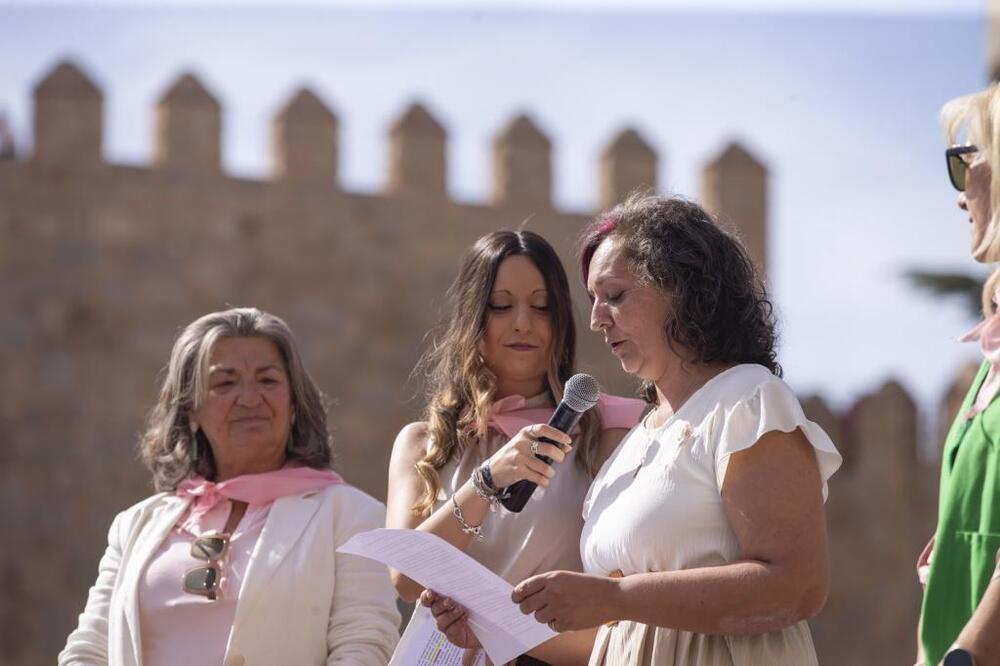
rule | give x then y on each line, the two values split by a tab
300	602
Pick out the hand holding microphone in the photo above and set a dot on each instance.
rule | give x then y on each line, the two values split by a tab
581	393
528	456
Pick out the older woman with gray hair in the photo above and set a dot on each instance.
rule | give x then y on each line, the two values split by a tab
234	560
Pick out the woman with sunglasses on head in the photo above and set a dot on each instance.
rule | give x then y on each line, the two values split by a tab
234	561
494	378
960	616
704	541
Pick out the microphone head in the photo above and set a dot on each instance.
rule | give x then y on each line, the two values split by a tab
581	392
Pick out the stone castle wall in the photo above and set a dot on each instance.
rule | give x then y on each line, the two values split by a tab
101	264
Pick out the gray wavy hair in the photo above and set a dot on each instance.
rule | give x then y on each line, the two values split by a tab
168	445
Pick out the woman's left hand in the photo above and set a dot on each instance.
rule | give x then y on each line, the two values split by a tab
568	601
451	619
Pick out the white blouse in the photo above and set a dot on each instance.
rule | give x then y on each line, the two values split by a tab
656	505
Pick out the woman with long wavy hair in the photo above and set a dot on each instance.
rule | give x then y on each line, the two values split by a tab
494	377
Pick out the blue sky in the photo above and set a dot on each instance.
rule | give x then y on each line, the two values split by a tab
800	6
841	106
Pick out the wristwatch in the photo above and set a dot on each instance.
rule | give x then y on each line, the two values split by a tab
958	657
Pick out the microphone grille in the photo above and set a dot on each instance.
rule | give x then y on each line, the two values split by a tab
581	392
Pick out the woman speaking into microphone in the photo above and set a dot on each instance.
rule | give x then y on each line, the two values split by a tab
704	541
495	376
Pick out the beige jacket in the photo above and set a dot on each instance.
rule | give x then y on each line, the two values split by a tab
300	603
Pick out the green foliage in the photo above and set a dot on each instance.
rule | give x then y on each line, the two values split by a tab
966	288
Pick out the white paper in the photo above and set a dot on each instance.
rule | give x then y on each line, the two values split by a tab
498	623
423	645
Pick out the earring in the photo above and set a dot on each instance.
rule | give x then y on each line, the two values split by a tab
291	435
195	446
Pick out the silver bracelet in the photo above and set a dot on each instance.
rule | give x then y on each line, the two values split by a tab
476	531
480	487
485	490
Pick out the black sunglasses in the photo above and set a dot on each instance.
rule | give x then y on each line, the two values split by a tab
957	165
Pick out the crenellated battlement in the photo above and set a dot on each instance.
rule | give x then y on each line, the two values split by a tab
305	139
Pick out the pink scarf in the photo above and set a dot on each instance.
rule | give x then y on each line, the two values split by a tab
988	335
510	414
254	489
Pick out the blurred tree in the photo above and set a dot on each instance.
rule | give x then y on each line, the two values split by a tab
961	286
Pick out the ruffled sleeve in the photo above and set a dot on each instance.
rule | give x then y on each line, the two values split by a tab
618	412
771	406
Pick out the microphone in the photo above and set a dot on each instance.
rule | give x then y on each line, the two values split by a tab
581	393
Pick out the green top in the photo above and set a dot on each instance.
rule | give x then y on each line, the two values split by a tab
968	529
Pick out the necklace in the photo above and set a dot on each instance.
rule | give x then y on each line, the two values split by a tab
694	383
653	433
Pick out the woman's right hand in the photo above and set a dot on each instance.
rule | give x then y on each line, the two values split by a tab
451	619
516	461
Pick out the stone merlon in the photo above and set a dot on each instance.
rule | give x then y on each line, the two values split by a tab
417	154
304	140
734	188
69	117
188	129
522	165
627	163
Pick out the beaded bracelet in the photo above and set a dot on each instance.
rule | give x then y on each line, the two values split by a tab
476	531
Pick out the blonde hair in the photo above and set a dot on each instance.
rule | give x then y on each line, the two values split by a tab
978	116
461	388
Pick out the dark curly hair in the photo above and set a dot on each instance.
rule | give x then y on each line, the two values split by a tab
721	312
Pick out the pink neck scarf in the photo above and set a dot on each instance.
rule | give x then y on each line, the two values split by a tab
510	414
254	489
988	335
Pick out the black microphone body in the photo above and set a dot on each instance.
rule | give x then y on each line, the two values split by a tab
563	419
